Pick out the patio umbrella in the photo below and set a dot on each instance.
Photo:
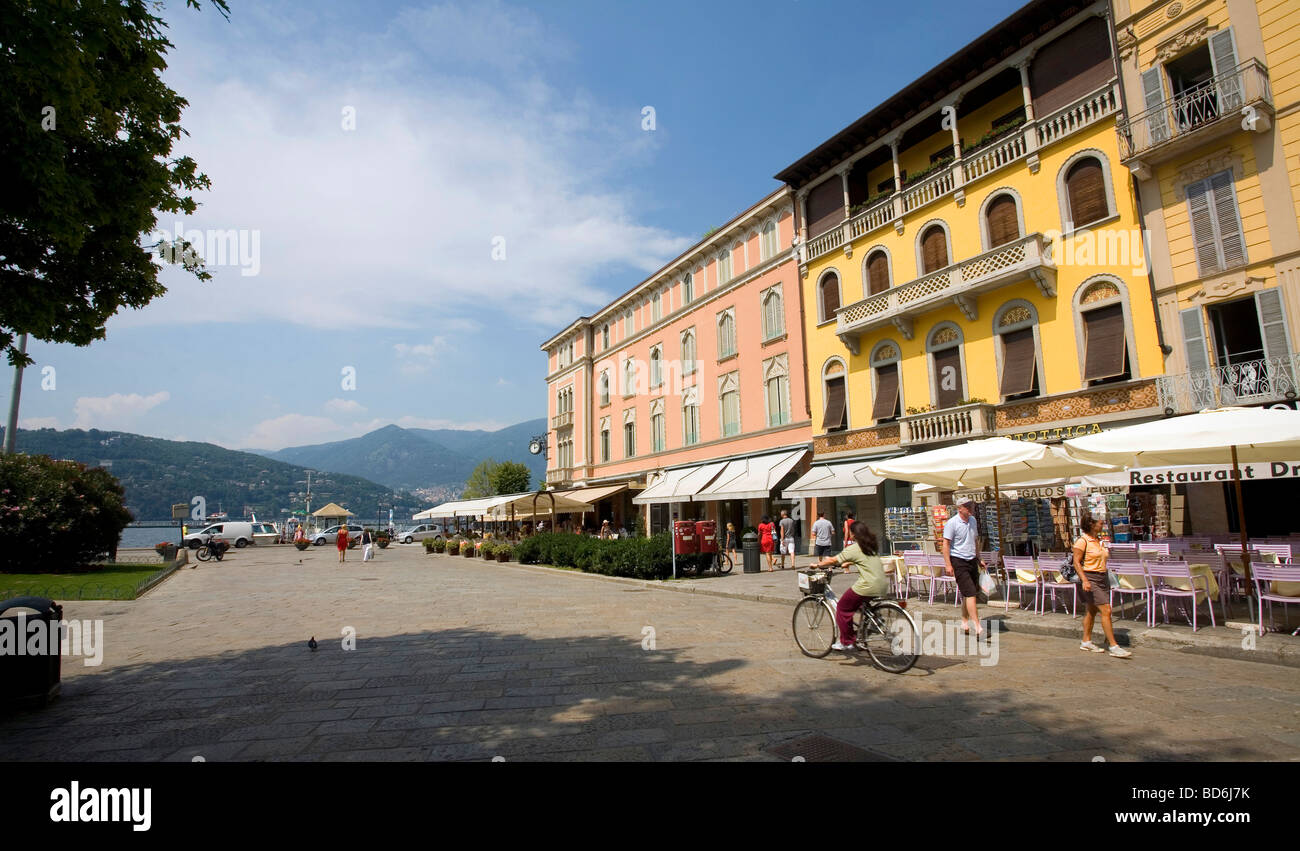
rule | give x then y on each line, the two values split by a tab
1243	434
993	461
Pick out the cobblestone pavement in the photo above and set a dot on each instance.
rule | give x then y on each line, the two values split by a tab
456	659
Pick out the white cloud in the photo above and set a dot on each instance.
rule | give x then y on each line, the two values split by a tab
39	422
344	406
118	412
398	217
418	359
295	430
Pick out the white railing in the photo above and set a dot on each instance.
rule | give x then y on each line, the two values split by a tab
1083	113
559	474
1021	257
960	423
1246	383
1223	97
562	420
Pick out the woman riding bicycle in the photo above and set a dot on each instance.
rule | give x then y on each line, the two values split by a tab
871	580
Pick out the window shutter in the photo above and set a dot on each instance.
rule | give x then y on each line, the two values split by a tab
1194	339
1153	94
1227	221
1018	362
1223	58
934	250
830	297
886	405
1085	184
1002	222
877	273
1199	197
947	376
1104	341
1272	326
835	408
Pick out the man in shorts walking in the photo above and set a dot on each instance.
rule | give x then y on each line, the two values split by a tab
822	532
787	539
960	551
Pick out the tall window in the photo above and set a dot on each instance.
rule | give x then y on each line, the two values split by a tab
629	377
1002	221
1101	315
877	273
1216	224
724	267
604	337
1017	349
691	417
776	386
627	324
656	367
1085	187
629	435
829	301
604	388
934	249
767	241
773	314
726	334
656	307
729	403
835	416
945	355
888	403
688	352
604	441
658	432
688	289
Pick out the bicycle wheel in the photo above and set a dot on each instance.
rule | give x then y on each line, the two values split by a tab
814	626
203	553
890	637
724	564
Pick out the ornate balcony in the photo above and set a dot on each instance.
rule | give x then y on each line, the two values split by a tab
559	475
965	422
1250	382
1238	100
957	284
562	420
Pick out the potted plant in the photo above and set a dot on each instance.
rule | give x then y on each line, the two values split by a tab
467	549
429	545
166	549
487	549
438	545
381	538
302	545
503	552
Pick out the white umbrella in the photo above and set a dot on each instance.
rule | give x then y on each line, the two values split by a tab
1242	434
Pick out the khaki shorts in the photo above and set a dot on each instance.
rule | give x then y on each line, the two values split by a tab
1099	589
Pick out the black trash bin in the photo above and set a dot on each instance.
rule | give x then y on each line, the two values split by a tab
749	546
27	679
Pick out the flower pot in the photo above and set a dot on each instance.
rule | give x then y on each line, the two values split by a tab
503	556
302	545
383	543
467	552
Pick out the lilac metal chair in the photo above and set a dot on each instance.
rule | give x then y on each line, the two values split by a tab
1281	551
939	579
1267	577
1020	573
916	569
1050	581
1136	574
1153	548
1167	577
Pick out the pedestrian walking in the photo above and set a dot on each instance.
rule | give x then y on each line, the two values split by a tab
766	541
367	546
729	541
849	520
960	551
787	539
1090	562
823	532
342	542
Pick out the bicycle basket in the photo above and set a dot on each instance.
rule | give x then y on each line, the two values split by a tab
813	581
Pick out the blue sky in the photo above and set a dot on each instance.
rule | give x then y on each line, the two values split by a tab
472	126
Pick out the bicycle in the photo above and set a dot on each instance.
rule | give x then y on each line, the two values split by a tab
883	626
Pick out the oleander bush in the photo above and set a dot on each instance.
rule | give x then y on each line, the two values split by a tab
638	558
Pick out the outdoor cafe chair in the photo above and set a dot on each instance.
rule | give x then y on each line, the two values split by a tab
1158	547
1050	581
916	572
1136	574
1161	572
940	579
1269	579
1281	551
1021	573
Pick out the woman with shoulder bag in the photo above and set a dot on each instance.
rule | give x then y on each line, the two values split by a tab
1090	563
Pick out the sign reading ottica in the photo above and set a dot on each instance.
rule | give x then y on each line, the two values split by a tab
1061	433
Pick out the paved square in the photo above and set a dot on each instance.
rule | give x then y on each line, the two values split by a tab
457	659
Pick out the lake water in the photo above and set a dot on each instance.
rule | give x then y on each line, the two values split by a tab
136	537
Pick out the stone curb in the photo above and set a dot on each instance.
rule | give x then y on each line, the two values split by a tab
1269	649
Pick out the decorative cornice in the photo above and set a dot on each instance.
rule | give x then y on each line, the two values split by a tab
1214	163
1193	35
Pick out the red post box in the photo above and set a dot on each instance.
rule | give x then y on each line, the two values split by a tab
685	541
707	533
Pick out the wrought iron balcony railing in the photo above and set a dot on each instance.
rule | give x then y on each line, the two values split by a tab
1250	382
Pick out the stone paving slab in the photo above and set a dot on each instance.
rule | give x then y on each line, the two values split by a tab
456	659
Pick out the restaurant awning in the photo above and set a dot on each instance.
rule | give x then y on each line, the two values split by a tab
591	496
848	478
679	485
753	477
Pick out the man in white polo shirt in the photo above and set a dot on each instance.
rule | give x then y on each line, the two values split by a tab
960	556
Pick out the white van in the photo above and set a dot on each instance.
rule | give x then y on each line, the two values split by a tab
238	534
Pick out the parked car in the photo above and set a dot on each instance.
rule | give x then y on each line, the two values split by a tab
419	533
331	535
238	533
265	533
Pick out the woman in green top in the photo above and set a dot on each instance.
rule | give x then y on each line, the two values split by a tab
871	580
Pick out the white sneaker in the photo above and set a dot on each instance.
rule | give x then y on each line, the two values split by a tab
844	647
1088	645
1119	652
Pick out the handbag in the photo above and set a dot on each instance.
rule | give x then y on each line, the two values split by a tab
1067	566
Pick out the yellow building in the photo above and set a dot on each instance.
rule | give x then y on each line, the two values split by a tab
1213	138
972	262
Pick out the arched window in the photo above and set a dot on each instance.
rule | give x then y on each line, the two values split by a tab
688	289
629	433
656	307
944	346
658	431
688	352
1083	186
1002	220
604	440
1016	327
1102	326
934	249
835	415
729	403
604	337
767	241
829	296
604	388
776	389
724	267
773	314
629	377
877	272
888	391
691	416
726	334
656	367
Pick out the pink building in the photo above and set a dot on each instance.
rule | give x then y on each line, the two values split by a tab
688	394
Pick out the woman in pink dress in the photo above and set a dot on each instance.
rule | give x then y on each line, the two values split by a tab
766	541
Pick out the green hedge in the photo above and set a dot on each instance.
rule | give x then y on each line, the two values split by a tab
639	558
